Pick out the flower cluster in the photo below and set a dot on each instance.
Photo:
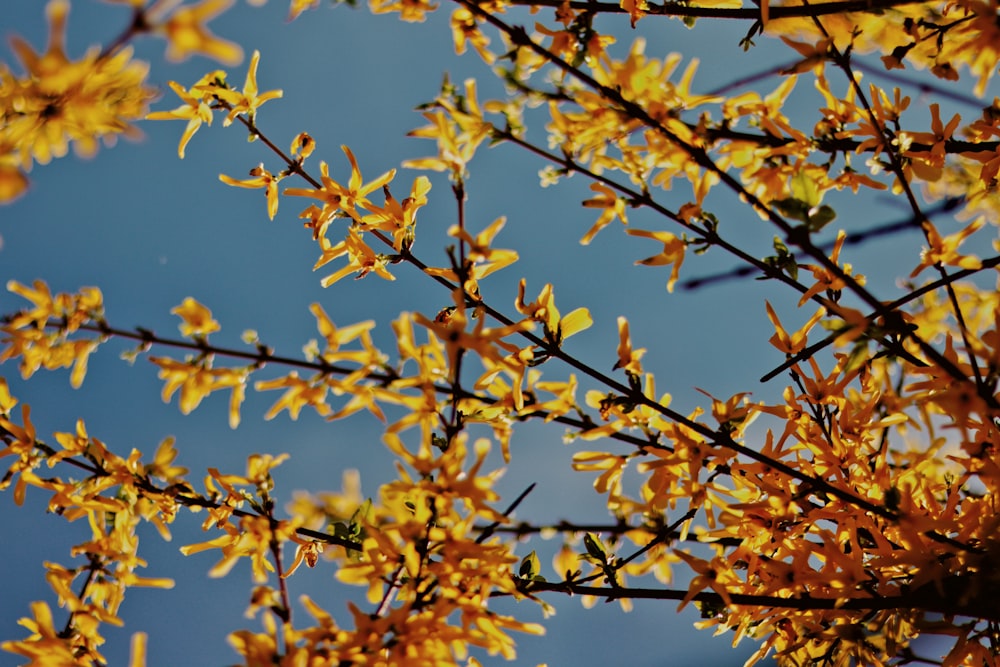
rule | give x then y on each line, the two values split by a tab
57	101
832	523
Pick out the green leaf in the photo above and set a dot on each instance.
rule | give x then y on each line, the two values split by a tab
858	356
784	260
710	609
360	517
780	247
529	566
804	189
793	207
819	217
595	547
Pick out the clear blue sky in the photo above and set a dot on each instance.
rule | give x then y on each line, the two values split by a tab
149	230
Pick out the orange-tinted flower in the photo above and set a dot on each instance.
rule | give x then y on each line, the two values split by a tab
673	252
944	250
303	146
628	359
826	279
613	207
794	343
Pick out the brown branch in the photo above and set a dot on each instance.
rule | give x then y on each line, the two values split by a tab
486	531
925	88
139	24
857	238
898	303
524	528
264	355
816	485
926	598
796	235
685	10
833	145
284	614
180	493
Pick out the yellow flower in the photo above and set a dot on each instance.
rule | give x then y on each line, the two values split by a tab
637	9
46	644
480	250
361	258
302	146
252	540
944	250
196	380
13	182
673	252
195	110
248	100
399	218
186	33
59	101
23	447
543	310
51	348
299	6
458	135
412	11
927	164
450	327
298	394
465	30
262	178
628	359
193	384
611	467
336	337
137	650
715	574
796	342
826	280
197	318
613	207
484	260
163	466
307	552
336	197
7	402
259	467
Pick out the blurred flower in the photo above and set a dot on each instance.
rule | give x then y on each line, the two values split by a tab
59	101
187	35
197	318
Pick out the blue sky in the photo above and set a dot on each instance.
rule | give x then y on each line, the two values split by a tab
150	229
